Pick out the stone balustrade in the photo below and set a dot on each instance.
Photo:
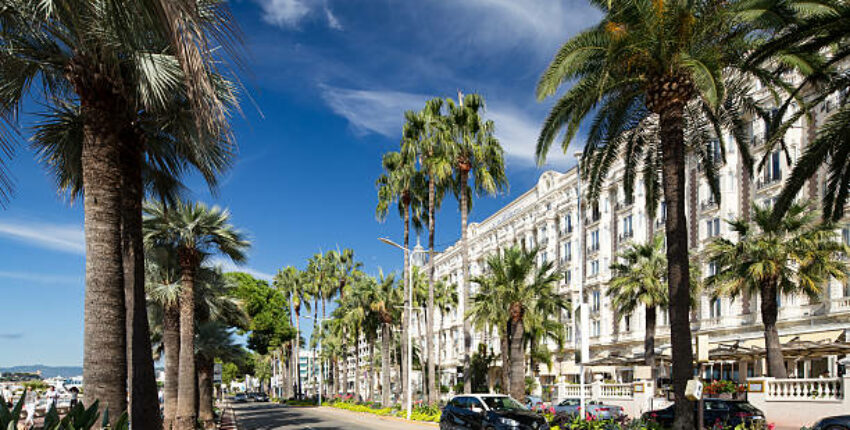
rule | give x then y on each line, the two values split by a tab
804	390
794	403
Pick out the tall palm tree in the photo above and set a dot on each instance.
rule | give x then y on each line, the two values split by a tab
445	300
163	293
519	288
791	255
115	60
385	304
473	151
293	283
649	62
639	279
196	231
486	314
428	140
403	183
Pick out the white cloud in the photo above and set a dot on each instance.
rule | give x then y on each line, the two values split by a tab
228	266
380	112
65	238
290	13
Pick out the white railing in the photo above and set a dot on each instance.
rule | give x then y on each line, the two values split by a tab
616	391
568	391
814	390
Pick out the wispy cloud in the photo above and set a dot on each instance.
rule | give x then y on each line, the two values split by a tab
380	112
64	238
289	14
228	266
11	336
42	278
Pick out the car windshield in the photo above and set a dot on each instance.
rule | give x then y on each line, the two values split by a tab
569	402
503	404
746	407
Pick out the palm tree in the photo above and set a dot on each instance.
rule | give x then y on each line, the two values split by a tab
401	182
385	304
163	293
445	300
115	60
486	314
520	288
655	65
791	255
474	151
428	139
639	279
293	283
195	231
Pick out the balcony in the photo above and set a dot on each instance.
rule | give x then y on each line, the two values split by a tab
708	205
625	236
592	249
591	220
623	205
763	182
660	222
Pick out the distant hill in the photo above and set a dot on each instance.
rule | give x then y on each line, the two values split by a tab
46	371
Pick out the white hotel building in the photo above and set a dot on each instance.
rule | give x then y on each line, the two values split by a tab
546	216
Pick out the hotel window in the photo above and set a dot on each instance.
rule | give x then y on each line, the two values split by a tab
712	227
568	276
544	257
594	267
773	168
568	251
714	308
627	323
595	214
712	268
845	235
595	328
627	227
594	240
568	223
596	304
713	151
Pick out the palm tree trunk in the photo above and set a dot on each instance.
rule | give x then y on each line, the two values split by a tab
297	353
185	419
678	277
105	338
370	395
385	365
287	371
769	313
171	343
144	404
205	393
649	339
429	322
506	360
517	360
405	320
335	374
464	292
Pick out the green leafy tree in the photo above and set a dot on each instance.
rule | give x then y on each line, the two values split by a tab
268	310
791	255
518	287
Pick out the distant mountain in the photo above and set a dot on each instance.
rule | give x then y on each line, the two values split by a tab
46	371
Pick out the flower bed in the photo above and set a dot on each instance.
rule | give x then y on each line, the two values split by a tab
419	413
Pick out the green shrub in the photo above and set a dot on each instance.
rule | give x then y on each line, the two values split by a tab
78	418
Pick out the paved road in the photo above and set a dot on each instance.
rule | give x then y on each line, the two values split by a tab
268	416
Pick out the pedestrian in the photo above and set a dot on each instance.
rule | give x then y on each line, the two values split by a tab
52	397
74	393
32	402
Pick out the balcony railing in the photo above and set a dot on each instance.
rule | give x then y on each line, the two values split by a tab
623	205
840	305
626	235
802	390
766	182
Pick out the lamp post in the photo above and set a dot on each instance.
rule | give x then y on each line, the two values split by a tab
408	402
581	333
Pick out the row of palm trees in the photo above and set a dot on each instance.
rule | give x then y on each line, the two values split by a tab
134	96
660	79
442	147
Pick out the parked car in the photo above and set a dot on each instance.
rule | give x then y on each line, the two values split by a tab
597	410
534	403
489	412
261	397
240	398
729	413
839	422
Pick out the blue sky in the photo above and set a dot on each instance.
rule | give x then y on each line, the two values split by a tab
330	81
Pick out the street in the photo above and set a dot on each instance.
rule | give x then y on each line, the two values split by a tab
268	416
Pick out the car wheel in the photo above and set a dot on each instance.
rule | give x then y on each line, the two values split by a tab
833	427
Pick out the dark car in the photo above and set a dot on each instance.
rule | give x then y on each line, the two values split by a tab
729	413
489	412
840	422
240	398
261	397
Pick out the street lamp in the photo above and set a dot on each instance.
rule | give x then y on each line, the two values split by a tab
321	321
408	402
581	333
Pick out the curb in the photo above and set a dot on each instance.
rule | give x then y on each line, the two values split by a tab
383	417
228	419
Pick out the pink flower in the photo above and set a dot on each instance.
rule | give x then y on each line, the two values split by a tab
771	426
